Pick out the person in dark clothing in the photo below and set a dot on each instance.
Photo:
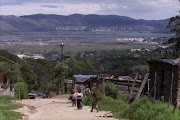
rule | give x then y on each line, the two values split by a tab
79	97
95	102
73	98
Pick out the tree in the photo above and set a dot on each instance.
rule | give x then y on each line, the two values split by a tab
29	76
73	67
23	90
101	69
58	70
174	26
6	60
88	66
9	71
44	72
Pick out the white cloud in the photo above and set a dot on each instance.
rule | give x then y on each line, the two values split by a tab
139	9
31	8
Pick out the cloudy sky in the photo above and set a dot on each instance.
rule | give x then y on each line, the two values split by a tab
139	9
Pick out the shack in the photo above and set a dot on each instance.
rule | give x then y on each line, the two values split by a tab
123	83
1	79
68	85
164	81
80	81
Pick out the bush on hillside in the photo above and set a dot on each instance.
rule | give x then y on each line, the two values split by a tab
6	108
2	116
23	90
122	97
7	97
144	109
109	104
88	101
111	90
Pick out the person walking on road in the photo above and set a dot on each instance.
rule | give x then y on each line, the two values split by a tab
79	99
73	98
95	102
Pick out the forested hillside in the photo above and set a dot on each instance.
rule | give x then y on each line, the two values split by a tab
43	74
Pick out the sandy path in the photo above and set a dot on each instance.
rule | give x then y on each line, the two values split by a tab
57	109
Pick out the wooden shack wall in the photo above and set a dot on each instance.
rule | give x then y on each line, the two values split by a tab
175	85
178	96
152	69
79	86
167	82
163	73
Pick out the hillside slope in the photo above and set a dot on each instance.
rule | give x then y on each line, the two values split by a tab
42	22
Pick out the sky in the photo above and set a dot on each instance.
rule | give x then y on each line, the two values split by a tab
138	9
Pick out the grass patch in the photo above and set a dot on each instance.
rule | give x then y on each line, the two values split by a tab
142	109
109	104
140	67
6	108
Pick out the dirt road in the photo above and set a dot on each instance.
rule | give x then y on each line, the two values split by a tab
58	108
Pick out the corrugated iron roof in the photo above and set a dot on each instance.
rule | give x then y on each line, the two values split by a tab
83	78
68	81
169	61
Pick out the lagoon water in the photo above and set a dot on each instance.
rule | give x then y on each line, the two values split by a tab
77	35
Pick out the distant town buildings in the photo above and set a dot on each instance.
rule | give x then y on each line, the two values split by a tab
131	39
97	28
139	40
34	56
134	50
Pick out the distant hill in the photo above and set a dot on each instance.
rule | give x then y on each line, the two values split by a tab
5	56
42	22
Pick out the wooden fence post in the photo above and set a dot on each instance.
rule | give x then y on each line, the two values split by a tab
142	86
171	86
103	84
155	82
62	83
134	82
128	88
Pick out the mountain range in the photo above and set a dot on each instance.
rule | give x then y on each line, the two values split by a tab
50	22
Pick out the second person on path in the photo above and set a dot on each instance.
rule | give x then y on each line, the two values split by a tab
79	99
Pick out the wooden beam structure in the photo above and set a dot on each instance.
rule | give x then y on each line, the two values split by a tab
142	86
132	89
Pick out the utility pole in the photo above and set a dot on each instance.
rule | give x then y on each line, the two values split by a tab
19	94
62	71
103	84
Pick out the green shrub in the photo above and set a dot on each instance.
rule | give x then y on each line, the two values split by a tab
23	90
9	115
88	101
107	103
111	90
7	97
2	117
144	109
122	97
6	108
